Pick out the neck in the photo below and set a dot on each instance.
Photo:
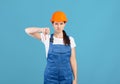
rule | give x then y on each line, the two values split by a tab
58	35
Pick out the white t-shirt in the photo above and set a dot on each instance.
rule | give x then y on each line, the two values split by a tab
46	38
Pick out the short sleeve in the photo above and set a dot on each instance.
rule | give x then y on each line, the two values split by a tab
72	42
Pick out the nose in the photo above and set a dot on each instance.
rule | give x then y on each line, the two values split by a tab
58	25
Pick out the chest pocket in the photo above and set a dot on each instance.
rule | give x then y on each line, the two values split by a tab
61	49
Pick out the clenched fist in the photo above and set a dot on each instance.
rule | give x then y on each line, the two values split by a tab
45	30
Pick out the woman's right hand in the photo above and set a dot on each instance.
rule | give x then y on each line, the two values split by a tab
45	30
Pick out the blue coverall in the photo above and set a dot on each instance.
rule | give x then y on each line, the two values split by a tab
58	69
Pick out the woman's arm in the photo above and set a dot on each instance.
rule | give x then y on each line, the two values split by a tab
74	63
35	31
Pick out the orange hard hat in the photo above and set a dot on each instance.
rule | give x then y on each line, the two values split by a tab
59	16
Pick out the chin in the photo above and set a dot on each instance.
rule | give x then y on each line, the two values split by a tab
59	31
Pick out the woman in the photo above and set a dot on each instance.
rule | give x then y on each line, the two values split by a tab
60	51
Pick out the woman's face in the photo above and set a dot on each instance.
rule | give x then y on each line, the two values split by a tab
58	26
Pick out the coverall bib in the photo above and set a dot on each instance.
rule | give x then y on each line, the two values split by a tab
58	69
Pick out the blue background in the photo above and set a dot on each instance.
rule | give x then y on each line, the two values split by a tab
94	24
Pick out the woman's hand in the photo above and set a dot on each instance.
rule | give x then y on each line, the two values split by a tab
74	82
45	30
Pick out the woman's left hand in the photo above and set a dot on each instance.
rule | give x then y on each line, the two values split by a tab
74	82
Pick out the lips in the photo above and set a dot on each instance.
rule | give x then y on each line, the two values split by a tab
58	28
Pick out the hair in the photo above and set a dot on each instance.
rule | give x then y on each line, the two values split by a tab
66	39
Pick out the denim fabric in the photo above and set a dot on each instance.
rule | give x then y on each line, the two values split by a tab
58	69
